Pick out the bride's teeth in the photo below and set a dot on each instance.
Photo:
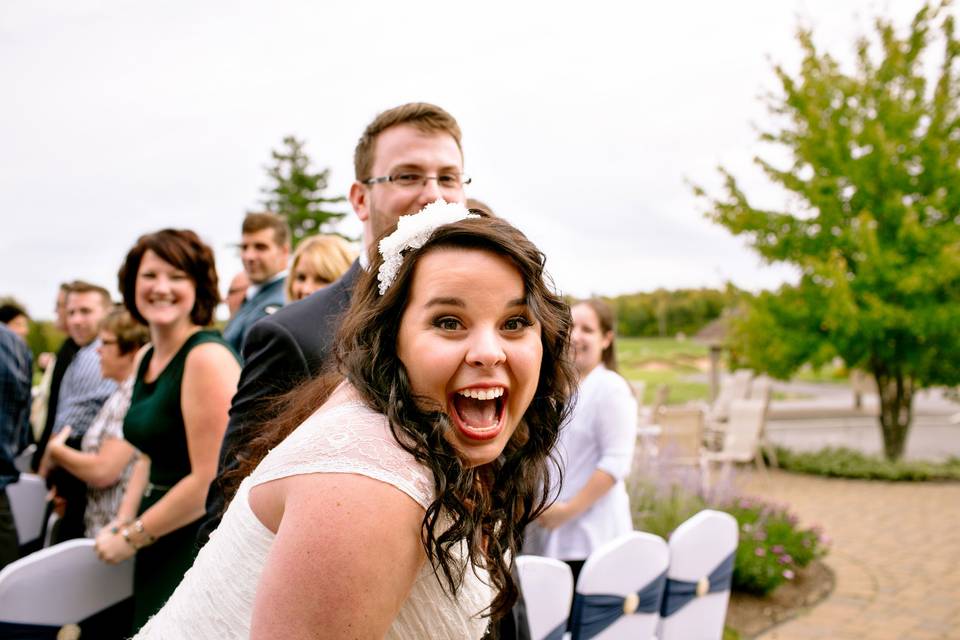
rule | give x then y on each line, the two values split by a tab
482	394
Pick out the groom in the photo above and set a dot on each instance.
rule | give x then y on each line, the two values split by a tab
293	344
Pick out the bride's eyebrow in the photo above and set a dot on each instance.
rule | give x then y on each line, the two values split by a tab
445	302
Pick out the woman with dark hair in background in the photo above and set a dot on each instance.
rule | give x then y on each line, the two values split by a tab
178	412
595	450
388	499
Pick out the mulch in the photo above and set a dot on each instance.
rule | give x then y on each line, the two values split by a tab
752	615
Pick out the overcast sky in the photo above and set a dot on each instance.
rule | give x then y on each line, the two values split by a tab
584	123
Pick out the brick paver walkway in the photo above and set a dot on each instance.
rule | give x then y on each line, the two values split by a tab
895	551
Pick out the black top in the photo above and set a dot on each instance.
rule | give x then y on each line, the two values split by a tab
65	355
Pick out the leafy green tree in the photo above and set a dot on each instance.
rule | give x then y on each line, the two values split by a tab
296	192
875	231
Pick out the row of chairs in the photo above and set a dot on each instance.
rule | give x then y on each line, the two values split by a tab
638	586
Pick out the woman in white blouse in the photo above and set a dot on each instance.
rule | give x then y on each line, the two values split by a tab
595	449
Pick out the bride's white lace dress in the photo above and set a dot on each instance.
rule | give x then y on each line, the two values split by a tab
215	599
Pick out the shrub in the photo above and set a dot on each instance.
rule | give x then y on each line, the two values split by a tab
772	546
846	463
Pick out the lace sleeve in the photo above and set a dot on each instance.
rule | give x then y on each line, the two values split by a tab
347	438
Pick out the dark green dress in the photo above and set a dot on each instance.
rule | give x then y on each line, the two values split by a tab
154	425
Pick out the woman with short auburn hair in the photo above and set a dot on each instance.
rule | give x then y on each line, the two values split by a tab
184	382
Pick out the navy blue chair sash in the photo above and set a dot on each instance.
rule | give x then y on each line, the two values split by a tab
594	613
20	631
557	633
679	592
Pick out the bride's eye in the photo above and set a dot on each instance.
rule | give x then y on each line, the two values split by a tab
447	323
517	323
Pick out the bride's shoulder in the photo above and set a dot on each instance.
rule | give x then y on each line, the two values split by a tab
347	436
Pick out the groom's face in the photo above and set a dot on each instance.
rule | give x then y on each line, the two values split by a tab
404	148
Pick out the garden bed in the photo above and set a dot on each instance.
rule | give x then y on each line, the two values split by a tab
750	615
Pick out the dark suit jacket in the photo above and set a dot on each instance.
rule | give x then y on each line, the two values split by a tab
281	351
268	300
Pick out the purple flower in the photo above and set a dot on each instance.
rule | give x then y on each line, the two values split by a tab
777	548
760	552
788	574
785	559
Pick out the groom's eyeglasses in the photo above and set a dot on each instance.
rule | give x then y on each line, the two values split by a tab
412	179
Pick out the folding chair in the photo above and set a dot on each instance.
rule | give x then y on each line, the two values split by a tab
619	590
762	389
28	503
547	586
681	435
60	585
702	552
741	440
23	459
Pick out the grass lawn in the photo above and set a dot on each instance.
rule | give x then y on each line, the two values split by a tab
658	361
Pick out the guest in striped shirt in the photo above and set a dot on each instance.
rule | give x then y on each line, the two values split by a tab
82	393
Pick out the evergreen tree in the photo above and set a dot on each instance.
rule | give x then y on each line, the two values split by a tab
296	192
875	172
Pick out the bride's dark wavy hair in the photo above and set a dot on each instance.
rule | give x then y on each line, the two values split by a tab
488	506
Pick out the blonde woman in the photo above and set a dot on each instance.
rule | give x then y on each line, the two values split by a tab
318	262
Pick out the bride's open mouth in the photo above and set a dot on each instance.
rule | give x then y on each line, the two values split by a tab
478	413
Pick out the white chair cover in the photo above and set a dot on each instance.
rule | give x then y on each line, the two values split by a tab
62	584
547	586
622	567
28	503
23	459
697	547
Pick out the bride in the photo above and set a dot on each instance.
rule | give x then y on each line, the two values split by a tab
388	499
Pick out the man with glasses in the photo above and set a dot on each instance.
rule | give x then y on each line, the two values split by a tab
406	158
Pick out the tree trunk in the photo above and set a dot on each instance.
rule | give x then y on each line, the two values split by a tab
896	409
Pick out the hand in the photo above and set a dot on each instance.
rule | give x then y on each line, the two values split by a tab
557	514
47	463
43	360
110	546
60	439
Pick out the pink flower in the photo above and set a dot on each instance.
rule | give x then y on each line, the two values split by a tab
785	559
777	548
760	552
788	574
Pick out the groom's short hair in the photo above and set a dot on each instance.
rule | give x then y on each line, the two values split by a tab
423	116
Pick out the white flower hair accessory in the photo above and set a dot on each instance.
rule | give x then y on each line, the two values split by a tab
412	232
